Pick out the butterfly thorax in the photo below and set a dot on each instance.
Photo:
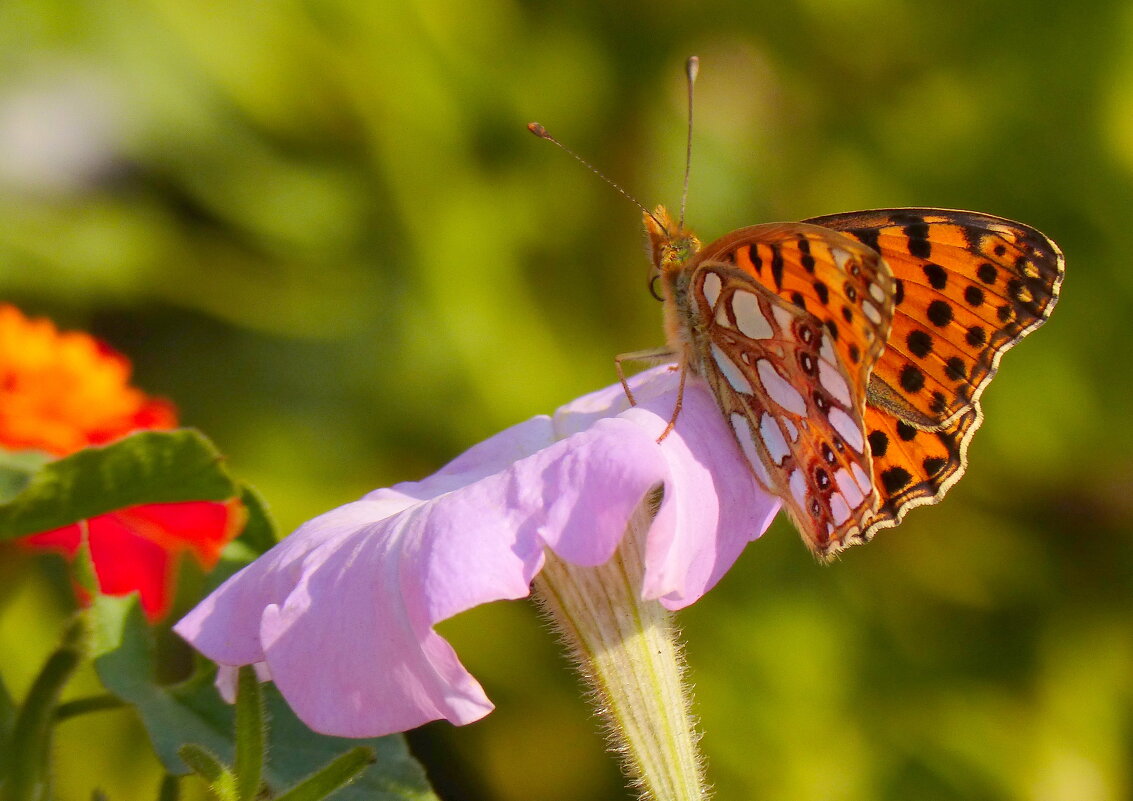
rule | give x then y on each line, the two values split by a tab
672	248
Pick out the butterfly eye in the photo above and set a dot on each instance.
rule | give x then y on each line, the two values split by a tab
653	287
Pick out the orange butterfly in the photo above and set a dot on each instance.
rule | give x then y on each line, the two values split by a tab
848	352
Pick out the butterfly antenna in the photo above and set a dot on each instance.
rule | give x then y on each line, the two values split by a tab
692	68
541	132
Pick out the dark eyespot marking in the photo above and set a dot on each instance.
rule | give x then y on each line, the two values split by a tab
895	478
1005	312
986	271
940	313
956	369
847	314
912	379
809	365
821	290
905	431
827	454
832	327
1000	250
919	342
878	443
757	262
855	353
821	478
1014	287
939	403
806	334
821	401
798	300
850	292
898	291
976	336
919	245
933	465
815	508
937	276
974	296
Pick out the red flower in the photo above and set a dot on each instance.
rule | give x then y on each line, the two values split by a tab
63	391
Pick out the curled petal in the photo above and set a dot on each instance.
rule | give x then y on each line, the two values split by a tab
342	611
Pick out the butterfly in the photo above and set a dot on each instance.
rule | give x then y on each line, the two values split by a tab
848	353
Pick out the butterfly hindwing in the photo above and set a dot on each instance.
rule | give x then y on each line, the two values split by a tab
784	376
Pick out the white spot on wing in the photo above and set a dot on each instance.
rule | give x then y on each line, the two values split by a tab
841	257
783	318
751	453
773	439
871	312
779	390
712	286
827	350
731	372
849	430
798	488
861	478
792	431
832	380
838	509
749	317
848	488
877	292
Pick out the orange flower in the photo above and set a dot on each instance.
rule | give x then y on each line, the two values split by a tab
63	391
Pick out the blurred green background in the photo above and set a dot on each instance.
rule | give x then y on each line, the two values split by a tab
321	229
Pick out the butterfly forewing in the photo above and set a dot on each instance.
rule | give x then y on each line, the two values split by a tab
913	467
968	287
789	378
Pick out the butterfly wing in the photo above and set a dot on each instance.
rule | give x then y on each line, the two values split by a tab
791	377
969	286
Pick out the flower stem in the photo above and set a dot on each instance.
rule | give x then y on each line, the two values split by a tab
627	651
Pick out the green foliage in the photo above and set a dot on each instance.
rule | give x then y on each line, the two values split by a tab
147	467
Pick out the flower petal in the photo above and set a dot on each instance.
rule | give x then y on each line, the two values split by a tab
342	611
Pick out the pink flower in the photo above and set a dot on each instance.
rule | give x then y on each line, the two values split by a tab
340	614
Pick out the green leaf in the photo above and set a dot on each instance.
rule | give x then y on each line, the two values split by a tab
16	470
339	773
193	712
147	467
259	530
250	733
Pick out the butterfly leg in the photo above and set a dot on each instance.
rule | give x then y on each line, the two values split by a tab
651	356
676	407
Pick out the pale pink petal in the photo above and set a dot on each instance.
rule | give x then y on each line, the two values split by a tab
342	612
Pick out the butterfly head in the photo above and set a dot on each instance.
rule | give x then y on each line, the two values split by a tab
670	246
